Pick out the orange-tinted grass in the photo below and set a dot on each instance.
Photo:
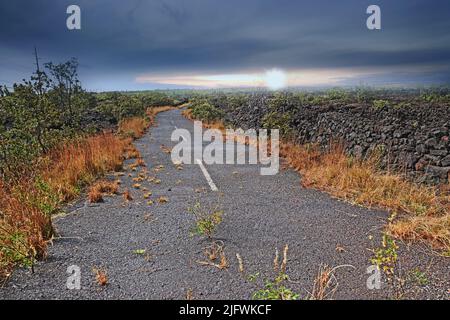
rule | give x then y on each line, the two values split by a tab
24	230
153	111
95	196
26	205
133	127
100	188
131	152
140	162
424	210
80	163
127	195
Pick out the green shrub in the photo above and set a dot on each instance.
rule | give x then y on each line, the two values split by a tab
206	219
280	121
275	290
204	111
379	104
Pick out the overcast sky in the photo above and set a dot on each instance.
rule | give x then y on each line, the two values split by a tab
146	44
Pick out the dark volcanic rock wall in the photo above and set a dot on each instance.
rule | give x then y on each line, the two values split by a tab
412	139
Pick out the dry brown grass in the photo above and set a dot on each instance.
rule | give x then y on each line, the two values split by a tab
127	195
27	204
131	152
95	196
140	162
101	276
81	162
100	188
325	284
133	127
24	230
215	255
423	212
240	263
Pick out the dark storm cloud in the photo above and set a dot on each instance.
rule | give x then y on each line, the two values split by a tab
120	40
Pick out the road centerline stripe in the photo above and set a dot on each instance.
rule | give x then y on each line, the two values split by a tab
207	176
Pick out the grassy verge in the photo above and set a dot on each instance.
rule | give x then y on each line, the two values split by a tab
26	205
418	212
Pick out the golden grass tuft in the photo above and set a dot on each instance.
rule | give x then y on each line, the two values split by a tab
98	189
140	162
95	196
24	229
80	163
127	195
133	127
101	276
325	284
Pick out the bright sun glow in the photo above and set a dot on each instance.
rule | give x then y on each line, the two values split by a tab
275	79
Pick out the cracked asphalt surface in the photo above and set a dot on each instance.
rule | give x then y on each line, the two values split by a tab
261	213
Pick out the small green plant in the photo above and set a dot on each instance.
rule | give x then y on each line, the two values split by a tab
206	220
402	105
379	104
204	111
252	277
386	256
139	251
276	290
46	200
280	121
18	250
419	277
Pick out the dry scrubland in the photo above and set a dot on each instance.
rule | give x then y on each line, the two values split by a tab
419	211
55	140
27	205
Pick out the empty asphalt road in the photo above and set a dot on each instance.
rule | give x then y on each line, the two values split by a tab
148	251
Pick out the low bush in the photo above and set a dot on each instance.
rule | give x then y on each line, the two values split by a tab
206	112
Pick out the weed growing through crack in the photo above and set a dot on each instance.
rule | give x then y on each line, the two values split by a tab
206	219
386	256
100	276
419	277
386	259
276	289
189	294
253	277
325	283
240	262
215	255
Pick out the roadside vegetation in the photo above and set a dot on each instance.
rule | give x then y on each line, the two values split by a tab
418	211
55	140
201	109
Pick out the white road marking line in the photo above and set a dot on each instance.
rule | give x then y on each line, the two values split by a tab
207	176
211	183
